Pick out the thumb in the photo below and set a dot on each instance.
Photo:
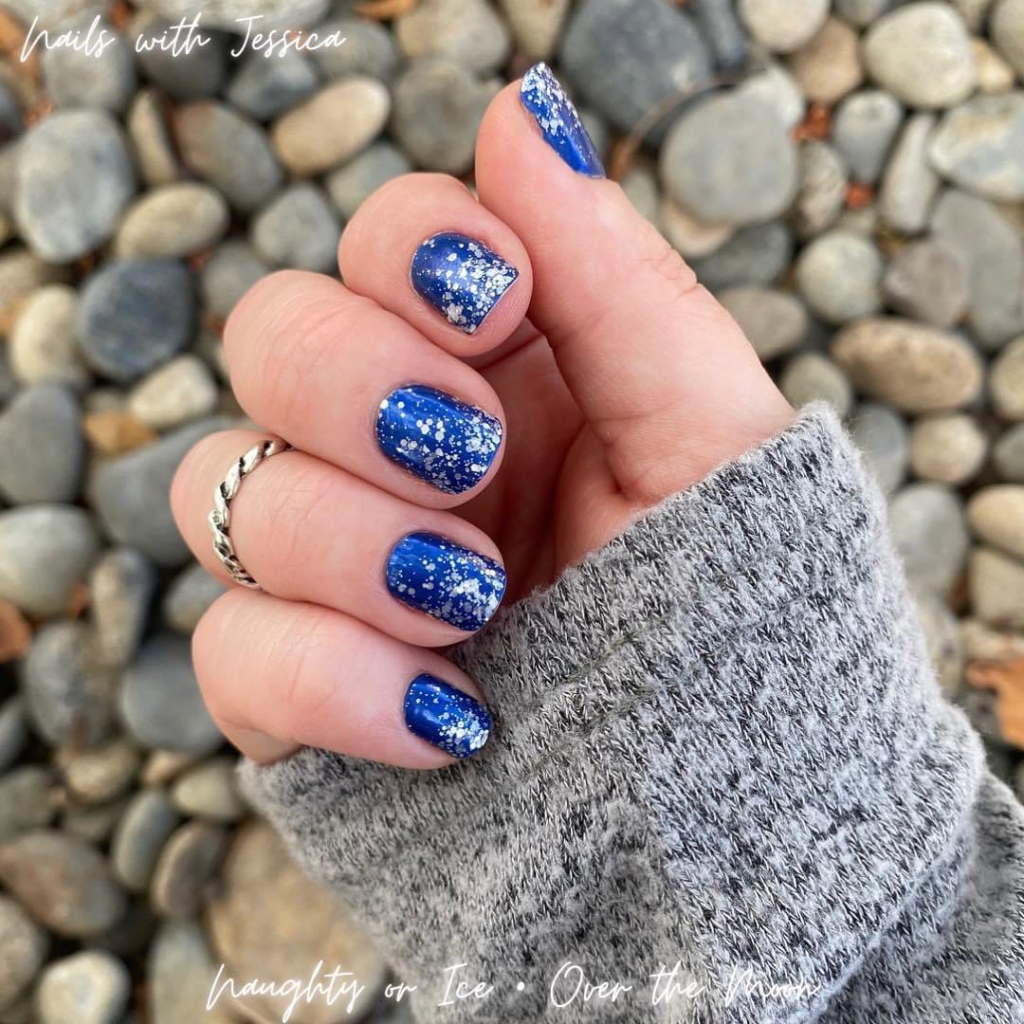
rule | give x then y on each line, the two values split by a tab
662	373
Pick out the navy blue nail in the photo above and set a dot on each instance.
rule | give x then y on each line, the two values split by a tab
445	580
446	717
461	278
437	437
543	96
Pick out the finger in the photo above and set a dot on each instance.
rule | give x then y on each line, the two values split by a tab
642	347
277	675
308	531
342	379
424	248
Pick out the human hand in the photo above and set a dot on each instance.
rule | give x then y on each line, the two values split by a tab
587	378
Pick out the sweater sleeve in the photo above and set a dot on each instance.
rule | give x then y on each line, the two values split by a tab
722	775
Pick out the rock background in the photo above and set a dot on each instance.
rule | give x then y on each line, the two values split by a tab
847	176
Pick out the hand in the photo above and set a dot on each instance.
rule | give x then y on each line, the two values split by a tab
441	434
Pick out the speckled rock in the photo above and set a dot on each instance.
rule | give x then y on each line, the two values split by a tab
774	321
928	528
45	551
349	186
839	275
186	864
783	25
829	65
921	53
913	367
811	377
1007	381
75	78
140	835
23	946
298	229
947	449
188	597
176	220
755	255
910	184
927	281
121	587
823	183
332	126
63	881
42	343
730	160
160	700
864	130
997	588
265	89
90	987
469	32
74	178
177	393
42	446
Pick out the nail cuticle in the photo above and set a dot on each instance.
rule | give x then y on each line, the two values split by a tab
446	717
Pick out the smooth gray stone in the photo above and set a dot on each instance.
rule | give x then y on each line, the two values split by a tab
75	78
265	88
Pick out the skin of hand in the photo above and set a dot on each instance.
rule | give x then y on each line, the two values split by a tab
502	381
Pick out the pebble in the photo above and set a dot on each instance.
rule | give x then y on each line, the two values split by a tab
298	229
624	57
861	12
130	494
27	800
688	235
640	184
994	74
42	343
74	179
174	221
68	698
265	89
996	515
150	135
332	126
23	946
177	393
912	367
536	24
1007	381
349	186
991	249
731	159
21	273
823	184
186	864
921	53
828	66
776	322
1007	457
223	14
188	597
980	146
997	589
42	444
209	791
974	13
13	731
121	587
438	109
134	315
139	837
928	528
783	25
160	700
75	78
778	89
755	255
839	275
947	449
927	281
45	551
92	822
864	130
811	377
163	766
63	881
910	184
1006	27
369	50
181	972
90	987
264	895
232	269
101	774
195	74
468	32
229	151
943	640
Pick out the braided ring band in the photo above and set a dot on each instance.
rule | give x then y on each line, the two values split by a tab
220	518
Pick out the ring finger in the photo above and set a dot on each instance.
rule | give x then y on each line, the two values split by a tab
308	531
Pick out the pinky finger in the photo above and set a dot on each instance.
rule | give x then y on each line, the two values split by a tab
277	675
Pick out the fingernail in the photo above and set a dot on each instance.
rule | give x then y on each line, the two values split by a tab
446	717
438	438
461	278
445	580
545	99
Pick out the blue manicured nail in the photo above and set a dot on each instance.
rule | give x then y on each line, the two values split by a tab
544	97
445	580
446	717
461	278
438	438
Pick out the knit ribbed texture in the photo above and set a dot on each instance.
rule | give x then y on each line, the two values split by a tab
718	743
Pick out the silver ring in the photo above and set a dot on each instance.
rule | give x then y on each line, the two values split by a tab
220	518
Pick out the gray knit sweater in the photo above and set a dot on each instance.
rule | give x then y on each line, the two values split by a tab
720	751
